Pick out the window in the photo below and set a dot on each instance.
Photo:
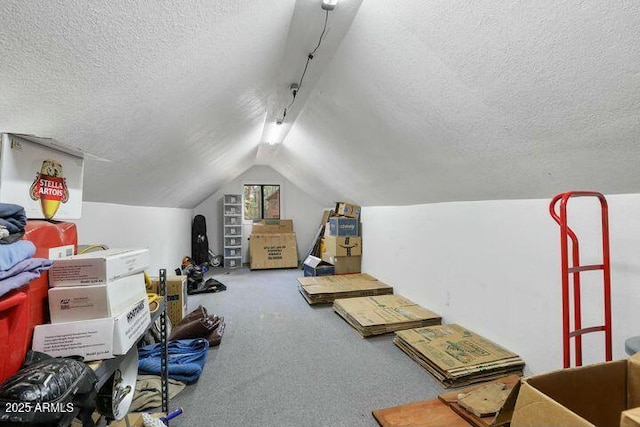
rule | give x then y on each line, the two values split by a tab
261	202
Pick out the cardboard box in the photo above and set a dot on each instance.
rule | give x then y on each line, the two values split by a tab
343	264
338	246
593	395
314	266
71	303
41	175
94	339
347	209
630	418
98	267
176	298
272	226
343	226
273	251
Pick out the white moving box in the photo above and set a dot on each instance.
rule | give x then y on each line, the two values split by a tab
42	175
99	267
71	303
94	339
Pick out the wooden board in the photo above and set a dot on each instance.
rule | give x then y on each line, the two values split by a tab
426	413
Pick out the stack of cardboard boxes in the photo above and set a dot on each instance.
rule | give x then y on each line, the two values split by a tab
98	305
341	245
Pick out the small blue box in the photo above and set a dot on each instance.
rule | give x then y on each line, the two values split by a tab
343	226
314	266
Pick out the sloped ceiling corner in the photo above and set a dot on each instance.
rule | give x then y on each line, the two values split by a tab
454	100
173	94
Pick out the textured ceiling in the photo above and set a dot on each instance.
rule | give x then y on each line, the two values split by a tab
457	100
172	93
407	102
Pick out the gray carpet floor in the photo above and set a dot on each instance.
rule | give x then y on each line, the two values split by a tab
285	363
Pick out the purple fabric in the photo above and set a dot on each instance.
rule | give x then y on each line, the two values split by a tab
19	280
12	254
30	264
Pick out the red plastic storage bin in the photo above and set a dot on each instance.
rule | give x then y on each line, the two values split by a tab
14	316
52	240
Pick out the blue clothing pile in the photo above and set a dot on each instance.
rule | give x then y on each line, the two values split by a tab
12	222
186	359
17	265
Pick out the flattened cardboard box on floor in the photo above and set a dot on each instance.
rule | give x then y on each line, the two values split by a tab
98	267
42	175
94	339
593	395
71	303
176	298
328	280
378	315
326	289
456	356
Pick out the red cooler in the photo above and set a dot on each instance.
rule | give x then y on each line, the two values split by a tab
14	340
52	240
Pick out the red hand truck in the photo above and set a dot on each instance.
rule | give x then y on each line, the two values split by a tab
574	270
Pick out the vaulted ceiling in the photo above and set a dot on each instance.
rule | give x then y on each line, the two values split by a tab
405	101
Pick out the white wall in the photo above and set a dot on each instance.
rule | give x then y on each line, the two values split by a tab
494	267
295	204
165	231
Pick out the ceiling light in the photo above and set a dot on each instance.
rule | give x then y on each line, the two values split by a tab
275	133
329	4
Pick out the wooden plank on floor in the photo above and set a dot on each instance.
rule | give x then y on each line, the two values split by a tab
426	413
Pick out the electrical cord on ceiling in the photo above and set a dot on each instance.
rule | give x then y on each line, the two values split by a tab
295	90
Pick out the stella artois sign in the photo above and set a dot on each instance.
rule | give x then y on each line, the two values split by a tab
50	188
39	175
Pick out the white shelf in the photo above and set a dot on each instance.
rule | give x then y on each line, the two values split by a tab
232	210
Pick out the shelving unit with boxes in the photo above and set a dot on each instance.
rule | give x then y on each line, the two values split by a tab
232	224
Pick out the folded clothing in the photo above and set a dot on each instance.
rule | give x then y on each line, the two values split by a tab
148	392
12	217
13	253
22	273
186	359
8	239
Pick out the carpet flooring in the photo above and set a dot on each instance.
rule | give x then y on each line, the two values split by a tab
285	363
